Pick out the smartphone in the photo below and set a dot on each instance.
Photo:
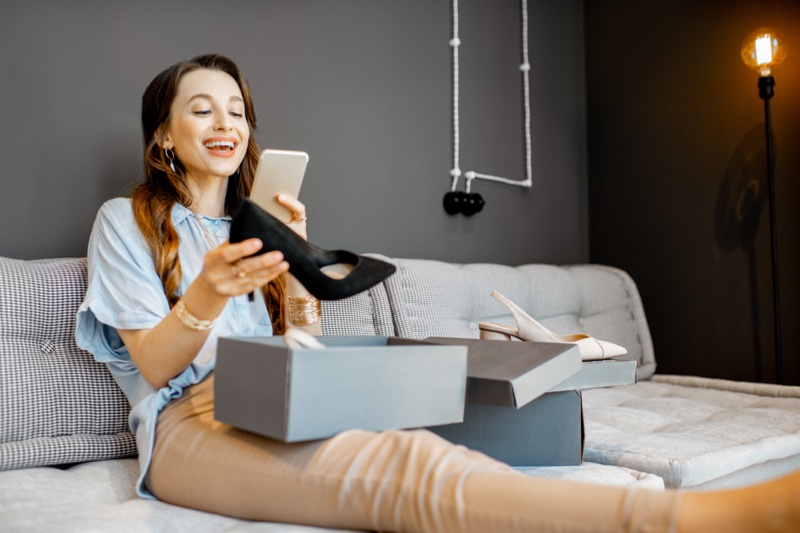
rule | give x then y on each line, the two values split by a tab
278	172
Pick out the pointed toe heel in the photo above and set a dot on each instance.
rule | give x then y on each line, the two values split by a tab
306	260
529	329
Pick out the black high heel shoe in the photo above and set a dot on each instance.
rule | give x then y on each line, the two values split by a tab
305	259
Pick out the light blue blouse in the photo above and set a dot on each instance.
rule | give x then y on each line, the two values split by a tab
125	292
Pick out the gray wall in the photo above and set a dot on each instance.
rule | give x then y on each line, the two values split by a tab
676	137
363	86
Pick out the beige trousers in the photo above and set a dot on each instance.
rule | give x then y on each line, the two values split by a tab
387	481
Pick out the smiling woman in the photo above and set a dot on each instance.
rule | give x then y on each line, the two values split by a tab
207	130
164	283
187	110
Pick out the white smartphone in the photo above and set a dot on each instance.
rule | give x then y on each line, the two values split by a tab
278	172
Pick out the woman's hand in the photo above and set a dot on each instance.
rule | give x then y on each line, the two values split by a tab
166	350
229	271
298	221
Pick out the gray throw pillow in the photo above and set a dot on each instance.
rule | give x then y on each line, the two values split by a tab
57	404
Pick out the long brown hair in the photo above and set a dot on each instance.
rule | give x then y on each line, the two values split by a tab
154	198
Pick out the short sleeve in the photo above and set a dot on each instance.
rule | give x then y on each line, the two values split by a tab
123	288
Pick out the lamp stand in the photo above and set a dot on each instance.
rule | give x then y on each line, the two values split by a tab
766	91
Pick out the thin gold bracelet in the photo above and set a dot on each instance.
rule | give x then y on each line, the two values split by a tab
191	321
303	310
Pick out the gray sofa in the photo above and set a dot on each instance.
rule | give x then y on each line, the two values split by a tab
67	459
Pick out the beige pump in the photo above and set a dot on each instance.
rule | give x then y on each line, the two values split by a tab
528	329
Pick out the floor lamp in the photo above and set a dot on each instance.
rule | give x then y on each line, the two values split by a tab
763	50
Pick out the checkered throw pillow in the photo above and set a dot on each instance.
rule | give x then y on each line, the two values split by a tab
366	313
57	404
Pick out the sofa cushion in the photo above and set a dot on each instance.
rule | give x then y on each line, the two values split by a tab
695	432
100	497
433	298
57	405
366	313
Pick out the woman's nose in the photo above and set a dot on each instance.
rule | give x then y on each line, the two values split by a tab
223	122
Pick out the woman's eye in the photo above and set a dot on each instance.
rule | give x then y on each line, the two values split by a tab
237	114
202	112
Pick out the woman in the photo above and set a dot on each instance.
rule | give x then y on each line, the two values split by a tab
164	282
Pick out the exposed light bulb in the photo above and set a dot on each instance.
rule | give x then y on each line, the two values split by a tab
763	50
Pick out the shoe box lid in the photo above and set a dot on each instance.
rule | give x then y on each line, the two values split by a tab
512	373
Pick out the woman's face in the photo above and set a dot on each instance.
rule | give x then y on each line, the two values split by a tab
207	127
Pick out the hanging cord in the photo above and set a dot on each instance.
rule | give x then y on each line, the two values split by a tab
525	68
455	42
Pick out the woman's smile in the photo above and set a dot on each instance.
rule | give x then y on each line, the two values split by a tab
222	146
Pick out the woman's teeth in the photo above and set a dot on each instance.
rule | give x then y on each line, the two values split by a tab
228	145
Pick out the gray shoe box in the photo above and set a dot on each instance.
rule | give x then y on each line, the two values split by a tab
598	374
538	420
371	383
545	432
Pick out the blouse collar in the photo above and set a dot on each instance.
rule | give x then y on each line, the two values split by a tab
180	212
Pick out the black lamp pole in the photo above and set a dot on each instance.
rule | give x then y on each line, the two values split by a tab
766	91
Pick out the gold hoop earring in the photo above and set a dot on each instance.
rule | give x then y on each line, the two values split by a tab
170	155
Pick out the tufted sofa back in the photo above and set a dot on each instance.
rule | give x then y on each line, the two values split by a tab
58	406
427	298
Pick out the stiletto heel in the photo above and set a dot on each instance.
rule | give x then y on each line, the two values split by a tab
529	329
306	260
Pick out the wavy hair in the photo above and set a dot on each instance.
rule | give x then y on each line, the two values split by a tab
163	187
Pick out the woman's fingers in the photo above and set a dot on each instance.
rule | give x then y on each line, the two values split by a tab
260	265
297	207
242	280
230	270
298	220
231	253
249	280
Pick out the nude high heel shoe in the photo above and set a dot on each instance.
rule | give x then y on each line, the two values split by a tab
529	329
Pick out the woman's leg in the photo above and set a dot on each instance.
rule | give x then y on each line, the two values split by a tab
773	506
390	481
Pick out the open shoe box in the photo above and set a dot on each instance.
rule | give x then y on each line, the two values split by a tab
524	400
365	382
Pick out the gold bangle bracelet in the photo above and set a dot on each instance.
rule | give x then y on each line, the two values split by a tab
191	321
303	310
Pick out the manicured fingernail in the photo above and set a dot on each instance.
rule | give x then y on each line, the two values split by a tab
282	197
